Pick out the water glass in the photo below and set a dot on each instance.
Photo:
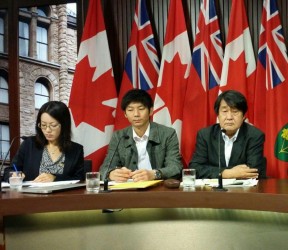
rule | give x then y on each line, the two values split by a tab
16	180
93	182
188	178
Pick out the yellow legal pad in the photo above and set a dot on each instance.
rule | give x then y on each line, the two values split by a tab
135	185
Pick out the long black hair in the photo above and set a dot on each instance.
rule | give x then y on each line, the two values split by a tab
60	112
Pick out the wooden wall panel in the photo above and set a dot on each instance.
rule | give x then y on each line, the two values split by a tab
119	17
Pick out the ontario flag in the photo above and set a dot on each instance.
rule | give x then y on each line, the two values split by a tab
93	95
174	70
271	92
239	65
204	79
142	62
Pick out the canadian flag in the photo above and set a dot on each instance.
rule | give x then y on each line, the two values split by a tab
93	95
239	65
174	70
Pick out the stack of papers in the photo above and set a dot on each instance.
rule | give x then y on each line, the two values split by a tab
48	184
227	182
42	184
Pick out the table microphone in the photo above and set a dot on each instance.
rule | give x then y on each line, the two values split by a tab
220	178
106	180
4	160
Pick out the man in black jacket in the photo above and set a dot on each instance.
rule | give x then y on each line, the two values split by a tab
241	144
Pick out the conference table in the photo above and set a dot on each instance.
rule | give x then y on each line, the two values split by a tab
154	208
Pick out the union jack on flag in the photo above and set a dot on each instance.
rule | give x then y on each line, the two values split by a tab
270	113
272	50
142	62
204	79
208	53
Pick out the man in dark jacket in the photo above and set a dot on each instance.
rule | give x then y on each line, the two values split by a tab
241	145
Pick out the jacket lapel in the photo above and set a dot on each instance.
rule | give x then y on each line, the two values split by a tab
218	136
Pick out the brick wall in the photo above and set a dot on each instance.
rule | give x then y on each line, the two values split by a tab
62	43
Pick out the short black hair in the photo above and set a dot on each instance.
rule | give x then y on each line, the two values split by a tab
60	112
137	95
234	99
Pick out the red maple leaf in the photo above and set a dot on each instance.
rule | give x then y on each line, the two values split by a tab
173	87
86	99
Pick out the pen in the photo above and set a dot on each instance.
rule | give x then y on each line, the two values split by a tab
237	183
15	168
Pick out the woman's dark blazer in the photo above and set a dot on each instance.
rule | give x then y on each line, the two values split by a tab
29	156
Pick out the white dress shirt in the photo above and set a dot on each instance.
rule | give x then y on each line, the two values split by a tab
141	144
229	145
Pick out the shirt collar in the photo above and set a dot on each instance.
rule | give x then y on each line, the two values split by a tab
144	137
233	138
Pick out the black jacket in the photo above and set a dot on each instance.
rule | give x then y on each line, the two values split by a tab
247	149
29	156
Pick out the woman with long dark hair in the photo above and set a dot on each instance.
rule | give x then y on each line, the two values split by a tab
50	155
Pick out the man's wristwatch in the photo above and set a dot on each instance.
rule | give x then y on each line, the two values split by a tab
158	175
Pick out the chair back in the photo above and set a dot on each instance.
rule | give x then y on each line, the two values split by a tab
87	165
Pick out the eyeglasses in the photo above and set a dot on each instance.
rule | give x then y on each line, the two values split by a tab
50	126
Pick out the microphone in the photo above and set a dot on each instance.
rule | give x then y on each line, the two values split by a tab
4	160
220	179
106	180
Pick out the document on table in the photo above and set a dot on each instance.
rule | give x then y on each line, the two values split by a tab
42	184
49	184
134	185
7	185
112	183
227	182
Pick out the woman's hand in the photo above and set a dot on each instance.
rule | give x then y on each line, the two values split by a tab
45	177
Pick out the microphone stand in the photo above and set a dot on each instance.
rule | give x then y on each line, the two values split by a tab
106	180
220	187
4	160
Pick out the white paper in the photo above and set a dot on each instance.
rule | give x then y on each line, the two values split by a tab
7	185
226	183
112	183
243	183
49	184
